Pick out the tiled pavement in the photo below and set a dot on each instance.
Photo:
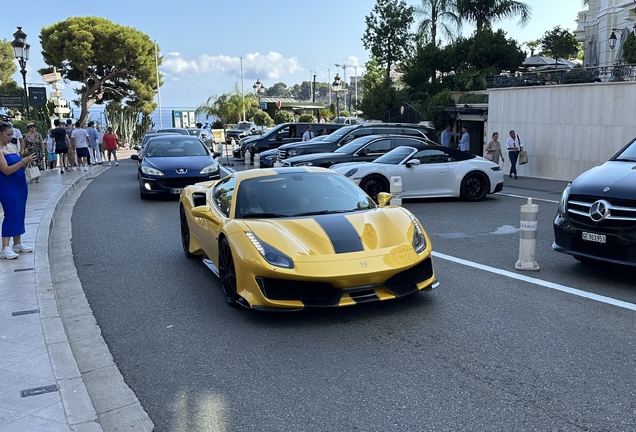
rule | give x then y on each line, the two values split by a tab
56	373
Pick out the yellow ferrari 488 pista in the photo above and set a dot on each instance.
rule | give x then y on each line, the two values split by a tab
295	238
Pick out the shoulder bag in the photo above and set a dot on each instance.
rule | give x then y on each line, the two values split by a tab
32	172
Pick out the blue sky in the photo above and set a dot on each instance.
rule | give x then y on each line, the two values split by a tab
283	40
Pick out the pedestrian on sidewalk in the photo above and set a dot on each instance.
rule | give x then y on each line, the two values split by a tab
35	145
13	194
111	143
514	146
93	135
80	139
72	155
100	141
464	141
51	157
493	148
62	142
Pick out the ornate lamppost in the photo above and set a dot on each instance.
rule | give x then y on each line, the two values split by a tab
259	89
21	51
336	86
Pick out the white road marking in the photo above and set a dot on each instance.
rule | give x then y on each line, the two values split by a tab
551	285
526	197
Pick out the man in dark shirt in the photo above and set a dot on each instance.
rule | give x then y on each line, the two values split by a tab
61	143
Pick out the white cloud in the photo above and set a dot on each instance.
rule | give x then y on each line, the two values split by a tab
270	66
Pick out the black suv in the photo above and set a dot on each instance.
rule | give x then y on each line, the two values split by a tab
596	218
349	133
240	130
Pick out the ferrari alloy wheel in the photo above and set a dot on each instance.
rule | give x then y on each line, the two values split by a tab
185	233
373	185
227	273
474	187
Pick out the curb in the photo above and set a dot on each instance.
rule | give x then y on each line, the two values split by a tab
93	392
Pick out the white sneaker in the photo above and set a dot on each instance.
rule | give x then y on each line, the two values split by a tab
110	164
20	248
85	167
116	163
7	253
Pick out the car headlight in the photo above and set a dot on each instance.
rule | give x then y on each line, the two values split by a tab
210	169
419	240
303	164
351	172
268	158
271	254
563	204
294	152
150	171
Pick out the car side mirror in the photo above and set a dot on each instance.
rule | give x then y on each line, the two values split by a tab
204	213
134	157
136	147
216	155
412	163
384	198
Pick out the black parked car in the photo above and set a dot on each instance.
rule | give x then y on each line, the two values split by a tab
240	130
349	133
596	218
363	149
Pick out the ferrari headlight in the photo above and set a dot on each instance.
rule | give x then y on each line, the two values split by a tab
295	152
210	169
303	164
351	172
150	171
271	254
563	204
419	240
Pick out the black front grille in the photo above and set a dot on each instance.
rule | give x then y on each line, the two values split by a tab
606	225
405	283
310	293
282	154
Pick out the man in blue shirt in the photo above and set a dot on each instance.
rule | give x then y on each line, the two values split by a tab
447	134
464	142
95	155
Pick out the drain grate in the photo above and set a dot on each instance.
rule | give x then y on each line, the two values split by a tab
23	269
38	390
25	312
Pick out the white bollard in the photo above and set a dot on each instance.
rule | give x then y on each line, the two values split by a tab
528	237
219	148
247	159
396	190
277	164
257	160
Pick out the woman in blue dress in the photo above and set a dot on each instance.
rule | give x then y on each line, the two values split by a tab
13	194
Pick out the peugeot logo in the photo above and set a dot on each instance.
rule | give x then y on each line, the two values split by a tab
599	210
606	189
181	171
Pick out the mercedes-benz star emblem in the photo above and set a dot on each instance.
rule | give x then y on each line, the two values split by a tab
181	171
599	210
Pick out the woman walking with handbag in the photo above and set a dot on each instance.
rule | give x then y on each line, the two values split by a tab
35	146
514	146
493	149
13	194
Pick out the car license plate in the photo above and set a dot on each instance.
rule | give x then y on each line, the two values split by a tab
176	191
597	238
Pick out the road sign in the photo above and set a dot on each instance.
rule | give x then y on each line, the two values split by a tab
12	101
263	105
56	94
61	110
58	86
51	77
37	96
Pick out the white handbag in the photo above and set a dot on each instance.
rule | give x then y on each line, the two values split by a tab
32	172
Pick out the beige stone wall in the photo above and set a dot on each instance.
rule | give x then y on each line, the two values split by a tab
566	129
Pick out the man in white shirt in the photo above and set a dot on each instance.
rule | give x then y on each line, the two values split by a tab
79	137
514	146
308	134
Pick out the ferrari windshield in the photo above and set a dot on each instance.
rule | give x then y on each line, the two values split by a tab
176	148
395	156
299	194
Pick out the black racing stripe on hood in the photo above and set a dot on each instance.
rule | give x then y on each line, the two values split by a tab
341	233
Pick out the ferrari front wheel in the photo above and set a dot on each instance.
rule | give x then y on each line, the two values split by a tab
185	233
227	273
373	185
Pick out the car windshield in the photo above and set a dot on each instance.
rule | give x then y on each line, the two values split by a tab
175	130
176	148
243	126
628	154
299	194
395	156
199	132
354	145
339	133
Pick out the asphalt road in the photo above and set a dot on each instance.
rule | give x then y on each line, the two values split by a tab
484	352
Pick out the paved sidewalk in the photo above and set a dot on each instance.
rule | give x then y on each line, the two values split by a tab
56	373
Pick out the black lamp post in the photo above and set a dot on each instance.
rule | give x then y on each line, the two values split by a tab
21	51
612	39
259	89
336	86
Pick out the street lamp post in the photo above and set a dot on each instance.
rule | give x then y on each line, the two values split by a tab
21	51
336	86
259	89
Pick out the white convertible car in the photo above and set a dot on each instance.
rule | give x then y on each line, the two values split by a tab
427	171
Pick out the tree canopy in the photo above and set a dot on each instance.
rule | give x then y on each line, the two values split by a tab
558	42
484	12
111	61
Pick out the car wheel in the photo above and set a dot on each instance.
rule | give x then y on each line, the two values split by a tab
227	273
373	185
185	233
474	187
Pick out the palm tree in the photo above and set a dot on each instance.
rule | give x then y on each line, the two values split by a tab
484	12
438	14
228	107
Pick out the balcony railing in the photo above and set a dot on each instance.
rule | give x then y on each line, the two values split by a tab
577	75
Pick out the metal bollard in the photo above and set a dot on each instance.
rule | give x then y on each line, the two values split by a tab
247	159
528	237
396	190
257	160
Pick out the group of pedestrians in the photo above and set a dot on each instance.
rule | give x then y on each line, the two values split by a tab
77	148
492	149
